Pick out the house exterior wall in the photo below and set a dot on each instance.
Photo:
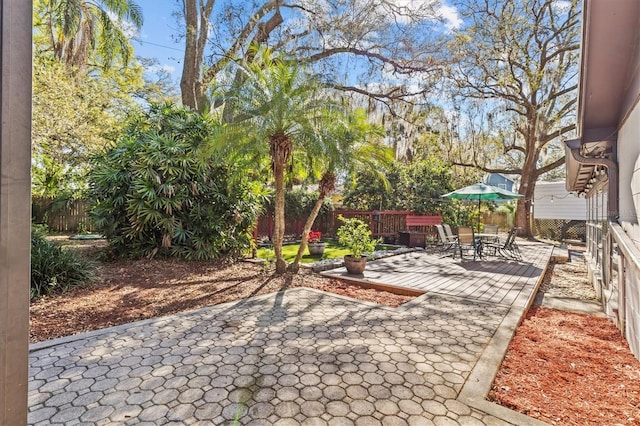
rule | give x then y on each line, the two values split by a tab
605	162
629	175
564	204
629	202
500	181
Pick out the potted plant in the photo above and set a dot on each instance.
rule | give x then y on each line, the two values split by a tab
356	236
316	247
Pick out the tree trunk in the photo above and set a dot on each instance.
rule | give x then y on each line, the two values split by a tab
278	227
326	186
295	266
191	64
523	208
280	151
192	88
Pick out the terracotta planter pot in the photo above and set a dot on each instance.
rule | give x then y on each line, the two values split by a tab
316	249
355	265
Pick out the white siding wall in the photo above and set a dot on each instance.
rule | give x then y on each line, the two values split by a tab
631	312
629	193
565	205
629	172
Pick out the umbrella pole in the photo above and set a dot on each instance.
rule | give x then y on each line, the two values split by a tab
479	197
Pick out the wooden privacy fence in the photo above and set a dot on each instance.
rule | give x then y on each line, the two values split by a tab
502	219
292	227
383	223
73	216
62	215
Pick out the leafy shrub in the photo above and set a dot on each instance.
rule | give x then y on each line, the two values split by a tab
39	230
55	269
153	196
356	236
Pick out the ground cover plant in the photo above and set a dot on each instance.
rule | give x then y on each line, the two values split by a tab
55	269
333	250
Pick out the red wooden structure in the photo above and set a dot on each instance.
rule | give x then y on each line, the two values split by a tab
383	223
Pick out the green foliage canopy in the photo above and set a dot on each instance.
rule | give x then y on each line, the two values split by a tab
79	31
73	114
415	186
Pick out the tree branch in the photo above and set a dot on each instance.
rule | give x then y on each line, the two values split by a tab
488	169
544	169
397	66
242	38
551	136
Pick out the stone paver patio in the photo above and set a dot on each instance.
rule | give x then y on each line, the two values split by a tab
296	357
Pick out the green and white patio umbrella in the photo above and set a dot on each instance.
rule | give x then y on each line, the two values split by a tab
481	192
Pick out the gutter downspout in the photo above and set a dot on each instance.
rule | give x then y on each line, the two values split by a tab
612	173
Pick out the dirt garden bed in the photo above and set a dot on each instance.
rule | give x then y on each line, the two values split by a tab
131	290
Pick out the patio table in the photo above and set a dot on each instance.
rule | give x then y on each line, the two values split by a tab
481	237
484	237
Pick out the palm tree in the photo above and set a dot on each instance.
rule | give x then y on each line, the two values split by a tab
277	106
78	28
356	146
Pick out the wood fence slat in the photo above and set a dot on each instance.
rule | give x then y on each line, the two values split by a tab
71	217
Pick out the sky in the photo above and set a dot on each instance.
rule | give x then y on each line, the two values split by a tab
156	39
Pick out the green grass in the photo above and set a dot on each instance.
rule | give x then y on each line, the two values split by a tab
332	250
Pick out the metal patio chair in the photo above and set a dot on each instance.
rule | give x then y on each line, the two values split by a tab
508	250
447	231
491	229
445	242
467	241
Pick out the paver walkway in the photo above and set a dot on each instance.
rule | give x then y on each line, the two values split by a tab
296	357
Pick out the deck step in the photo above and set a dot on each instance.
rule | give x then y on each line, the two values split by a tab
560	255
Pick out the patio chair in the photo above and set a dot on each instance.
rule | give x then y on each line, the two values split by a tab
491	229
447	231
467	241
508	250
445	242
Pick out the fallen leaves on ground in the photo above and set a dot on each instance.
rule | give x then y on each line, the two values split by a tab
132	290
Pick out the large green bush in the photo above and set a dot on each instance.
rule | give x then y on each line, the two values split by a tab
416	186
55	269
154	196
298	204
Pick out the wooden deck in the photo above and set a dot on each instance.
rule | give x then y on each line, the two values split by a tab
492	280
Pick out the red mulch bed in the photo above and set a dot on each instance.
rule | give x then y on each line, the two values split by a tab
570	369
